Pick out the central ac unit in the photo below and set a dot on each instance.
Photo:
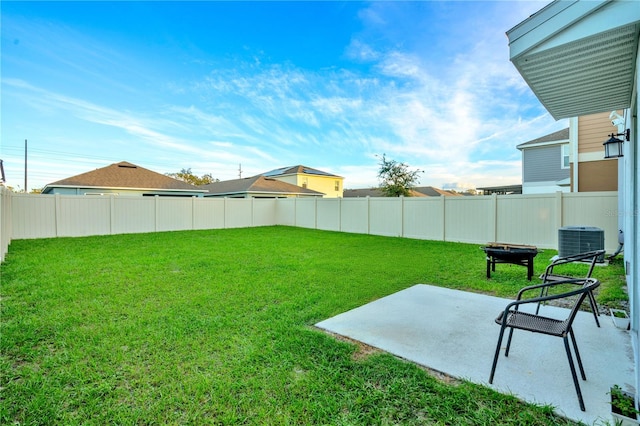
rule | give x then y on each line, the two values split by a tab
580	239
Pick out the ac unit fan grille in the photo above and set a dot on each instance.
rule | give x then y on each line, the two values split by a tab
580	239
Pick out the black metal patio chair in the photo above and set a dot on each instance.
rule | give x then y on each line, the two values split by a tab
591	257
513	318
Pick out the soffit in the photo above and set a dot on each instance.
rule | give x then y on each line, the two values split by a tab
582	65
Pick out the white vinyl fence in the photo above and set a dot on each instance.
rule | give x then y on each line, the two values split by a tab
517	219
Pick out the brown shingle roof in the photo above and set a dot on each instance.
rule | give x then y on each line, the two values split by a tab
124	175
422	191
259	184
431	191
374	192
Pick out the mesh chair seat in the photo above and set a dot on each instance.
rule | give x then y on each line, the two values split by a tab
534	323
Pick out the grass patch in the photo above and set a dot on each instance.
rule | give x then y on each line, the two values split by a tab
214	327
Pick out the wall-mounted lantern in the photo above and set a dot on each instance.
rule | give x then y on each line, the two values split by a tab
613	146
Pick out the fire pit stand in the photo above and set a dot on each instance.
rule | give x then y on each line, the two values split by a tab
510	253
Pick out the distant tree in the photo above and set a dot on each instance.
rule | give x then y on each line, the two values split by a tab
19	190
396	179
187	176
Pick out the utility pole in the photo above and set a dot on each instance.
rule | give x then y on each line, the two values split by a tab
240	171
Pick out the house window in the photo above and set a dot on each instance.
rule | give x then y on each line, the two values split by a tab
565	156
304	184
337	187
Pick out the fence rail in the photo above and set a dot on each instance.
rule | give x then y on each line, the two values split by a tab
518	219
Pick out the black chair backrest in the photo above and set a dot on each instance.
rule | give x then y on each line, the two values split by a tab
589	285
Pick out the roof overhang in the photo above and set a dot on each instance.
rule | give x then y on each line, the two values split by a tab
579	57
539	144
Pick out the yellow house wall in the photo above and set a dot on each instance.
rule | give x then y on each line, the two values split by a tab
324	184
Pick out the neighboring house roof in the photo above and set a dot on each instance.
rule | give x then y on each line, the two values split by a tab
123	175
431	191
256	185
297	170
561	136
364	192
377	192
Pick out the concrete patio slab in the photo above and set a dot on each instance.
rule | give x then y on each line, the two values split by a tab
454	332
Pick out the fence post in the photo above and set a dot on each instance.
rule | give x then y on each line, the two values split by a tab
224	214
58	214
193	212
443	199
402	215
494	218
559	215
112	208
368	215
157	203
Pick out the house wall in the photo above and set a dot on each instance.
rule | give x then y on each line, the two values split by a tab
629	214
324	184
595	173
592	132
542	169
598	175
543	164
547	187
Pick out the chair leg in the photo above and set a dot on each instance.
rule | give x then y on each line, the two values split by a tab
577	352
497	354
573	372
506	351
594	308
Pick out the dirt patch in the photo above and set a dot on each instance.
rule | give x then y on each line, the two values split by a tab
364	351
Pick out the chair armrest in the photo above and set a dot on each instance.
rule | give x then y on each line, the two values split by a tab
577	257
593	283
576	281
592	255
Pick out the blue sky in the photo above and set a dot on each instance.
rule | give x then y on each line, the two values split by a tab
212	85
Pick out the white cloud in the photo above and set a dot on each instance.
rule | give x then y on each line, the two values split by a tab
444	111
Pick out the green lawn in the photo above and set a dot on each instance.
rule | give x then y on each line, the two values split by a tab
216	327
